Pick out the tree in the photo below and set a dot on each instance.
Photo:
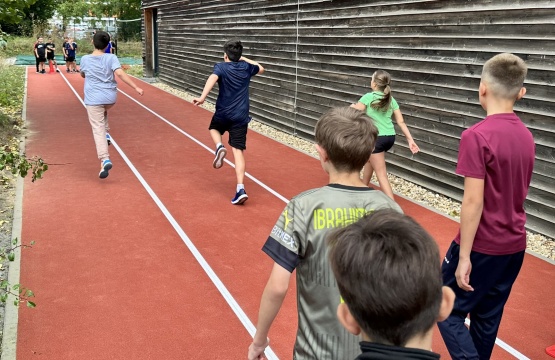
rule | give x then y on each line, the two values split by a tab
12	11
38	12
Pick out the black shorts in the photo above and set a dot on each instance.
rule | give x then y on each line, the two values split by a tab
384	143
41	59
237	133
70	58
50	57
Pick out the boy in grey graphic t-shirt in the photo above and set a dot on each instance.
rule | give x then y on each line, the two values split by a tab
345	138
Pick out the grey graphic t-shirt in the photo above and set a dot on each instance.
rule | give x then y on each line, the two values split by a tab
298	241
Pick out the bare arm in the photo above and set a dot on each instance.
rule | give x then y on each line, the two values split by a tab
126	79
212	80
272	299
252	62
359	106
471	213
401	122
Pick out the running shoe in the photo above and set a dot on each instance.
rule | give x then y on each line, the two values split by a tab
220	155
240	197
108	139
105	167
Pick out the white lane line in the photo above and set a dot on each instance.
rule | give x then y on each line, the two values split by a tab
508	348
198	256
498	341
269	189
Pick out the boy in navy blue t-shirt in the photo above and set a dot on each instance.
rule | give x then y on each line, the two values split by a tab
232	108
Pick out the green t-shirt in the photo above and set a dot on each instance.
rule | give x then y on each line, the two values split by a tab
382	119
298	241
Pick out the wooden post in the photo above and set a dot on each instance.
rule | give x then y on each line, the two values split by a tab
149	44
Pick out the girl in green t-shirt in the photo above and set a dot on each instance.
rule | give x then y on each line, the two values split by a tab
380	106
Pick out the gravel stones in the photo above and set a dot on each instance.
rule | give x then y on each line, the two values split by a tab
537	243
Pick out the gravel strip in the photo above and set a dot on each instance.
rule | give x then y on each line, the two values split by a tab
537	243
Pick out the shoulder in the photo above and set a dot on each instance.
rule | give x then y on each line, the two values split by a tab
308	194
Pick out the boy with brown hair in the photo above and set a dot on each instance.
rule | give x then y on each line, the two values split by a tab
496	158
345	138
386	267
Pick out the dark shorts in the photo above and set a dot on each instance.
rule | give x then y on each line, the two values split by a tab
237	133
41	59
70	58
50	57
384	143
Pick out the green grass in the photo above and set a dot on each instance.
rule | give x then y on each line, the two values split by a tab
135	70
12	82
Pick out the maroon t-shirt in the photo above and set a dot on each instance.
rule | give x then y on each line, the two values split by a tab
500	150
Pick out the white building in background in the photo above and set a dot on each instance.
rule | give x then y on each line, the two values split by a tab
80	28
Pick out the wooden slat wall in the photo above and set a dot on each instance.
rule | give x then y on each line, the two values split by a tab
320	54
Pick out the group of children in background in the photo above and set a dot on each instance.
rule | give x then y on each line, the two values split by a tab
45	53
364	271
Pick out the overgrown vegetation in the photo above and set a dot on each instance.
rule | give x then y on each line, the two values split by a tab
13	164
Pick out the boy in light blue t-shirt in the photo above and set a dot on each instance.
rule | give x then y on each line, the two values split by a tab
98	69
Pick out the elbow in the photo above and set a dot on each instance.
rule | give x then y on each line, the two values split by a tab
261	70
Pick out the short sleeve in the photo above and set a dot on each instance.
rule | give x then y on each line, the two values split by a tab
254	69
284	245
83	65
114	63
218	70
394	104
473	152
366	99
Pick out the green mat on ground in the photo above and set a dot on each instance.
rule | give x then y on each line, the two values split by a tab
30	60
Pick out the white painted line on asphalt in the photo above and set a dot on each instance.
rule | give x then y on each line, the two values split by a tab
198	256
498	341
505	346
269	189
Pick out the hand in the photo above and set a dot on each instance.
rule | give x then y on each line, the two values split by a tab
463	274
198	101
413	147
256	352
139	90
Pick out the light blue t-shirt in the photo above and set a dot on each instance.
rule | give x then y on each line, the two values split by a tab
100	85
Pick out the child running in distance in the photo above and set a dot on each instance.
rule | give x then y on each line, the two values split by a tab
101	92
380	106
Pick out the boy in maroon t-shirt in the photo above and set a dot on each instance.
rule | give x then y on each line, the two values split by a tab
496	158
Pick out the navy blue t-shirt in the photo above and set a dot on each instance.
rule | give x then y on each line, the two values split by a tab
233	98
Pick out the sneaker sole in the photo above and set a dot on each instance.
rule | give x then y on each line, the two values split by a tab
219	159
241	200
105	171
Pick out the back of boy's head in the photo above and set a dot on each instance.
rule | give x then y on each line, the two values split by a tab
504	75
348	137
233	49
388	273
101	40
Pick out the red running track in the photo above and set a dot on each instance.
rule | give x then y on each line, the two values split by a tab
113	278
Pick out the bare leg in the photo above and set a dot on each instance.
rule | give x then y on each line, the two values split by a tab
239	165
216	136
367	173
378	163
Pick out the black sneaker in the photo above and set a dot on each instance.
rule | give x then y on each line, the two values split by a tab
67	70
219	159
240	197
57	70
43	72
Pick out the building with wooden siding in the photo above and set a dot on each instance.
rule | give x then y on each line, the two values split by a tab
321	53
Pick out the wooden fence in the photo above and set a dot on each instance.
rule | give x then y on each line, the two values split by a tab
320	54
